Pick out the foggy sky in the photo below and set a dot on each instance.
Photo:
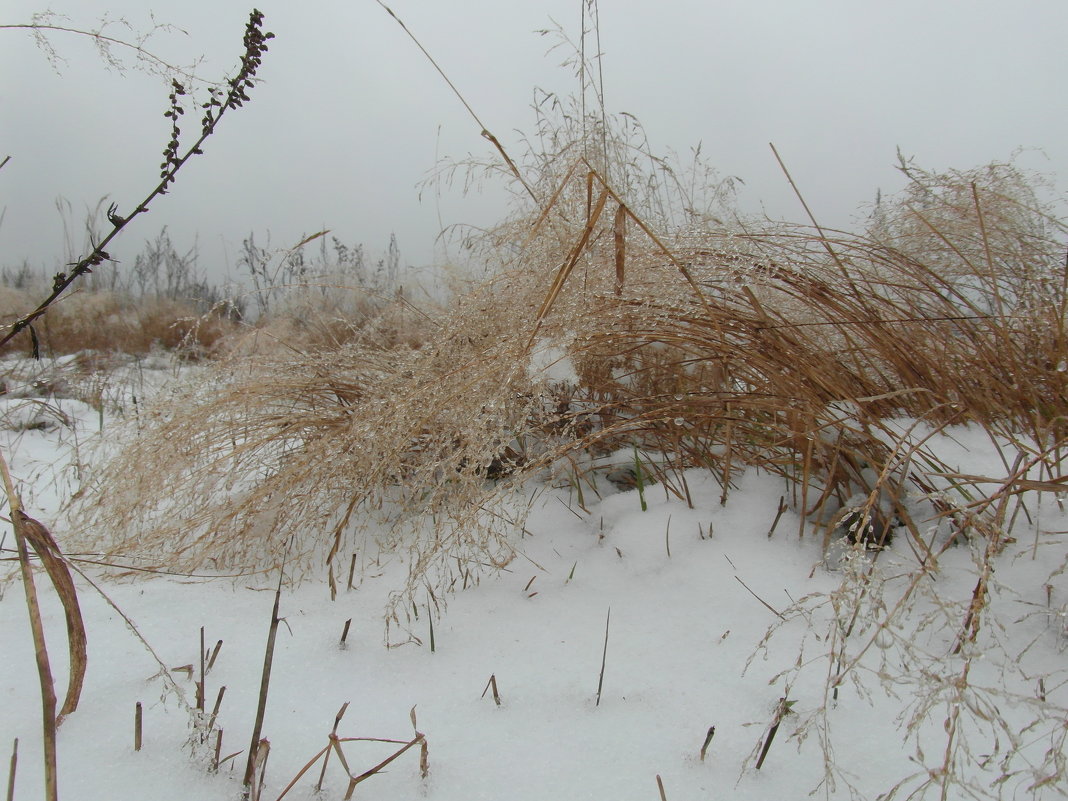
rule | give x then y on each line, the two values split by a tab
350	116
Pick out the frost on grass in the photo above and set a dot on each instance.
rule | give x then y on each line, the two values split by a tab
619	314
978	681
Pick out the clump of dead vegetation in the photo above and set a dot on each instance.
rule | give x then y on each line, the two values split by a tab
114	322
622	312
716	341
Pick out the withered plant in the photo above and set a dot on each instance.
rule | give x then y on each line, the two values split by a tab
619	314
31	533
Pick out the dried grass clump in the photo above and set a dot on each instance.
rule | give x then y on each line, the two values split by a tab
111	321
720	345
315	445
328	313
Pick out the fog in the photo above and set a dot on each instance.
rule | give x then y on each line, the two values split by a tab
350	118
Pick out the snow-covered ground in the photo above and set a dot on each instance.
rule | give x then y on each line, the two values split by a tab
692	594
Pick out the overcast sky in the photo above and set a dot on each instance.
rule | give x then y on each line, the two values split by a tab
350	117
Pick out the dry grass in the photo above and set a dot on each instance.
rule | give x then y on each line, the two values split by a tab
623	313
720	345
107	322
327	313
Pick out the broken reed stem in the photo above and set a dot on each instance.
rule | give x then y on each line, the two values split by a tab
214	655
218	751
44	670
259	768
767	744
11	771
708	741
660	787
345	632
780	711
778	515
492	684
604	656
265	682
326	758
137	726
201	687
215	709
352	570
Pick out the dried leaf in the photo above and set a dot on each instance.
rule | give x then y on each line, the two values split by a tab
45	546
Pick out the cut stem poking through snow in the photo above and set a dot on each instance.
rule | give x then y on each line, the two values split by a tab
265	682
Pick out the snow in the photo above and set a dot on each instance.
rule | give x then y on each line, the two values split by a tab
692	592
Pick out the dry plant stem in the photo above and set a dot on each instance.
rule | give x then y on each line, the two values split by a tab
265	682
326	758
11	770
708	741
164	671
778	515
261	750
201	686
215	709
30	531
492	685
604	656
40	538
780	712
214	655
98	36
572	259
326	749
137	726
419	739
576	251
766	605
823	237
485	131
44	670
218	750
660	787
99	255
619	237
